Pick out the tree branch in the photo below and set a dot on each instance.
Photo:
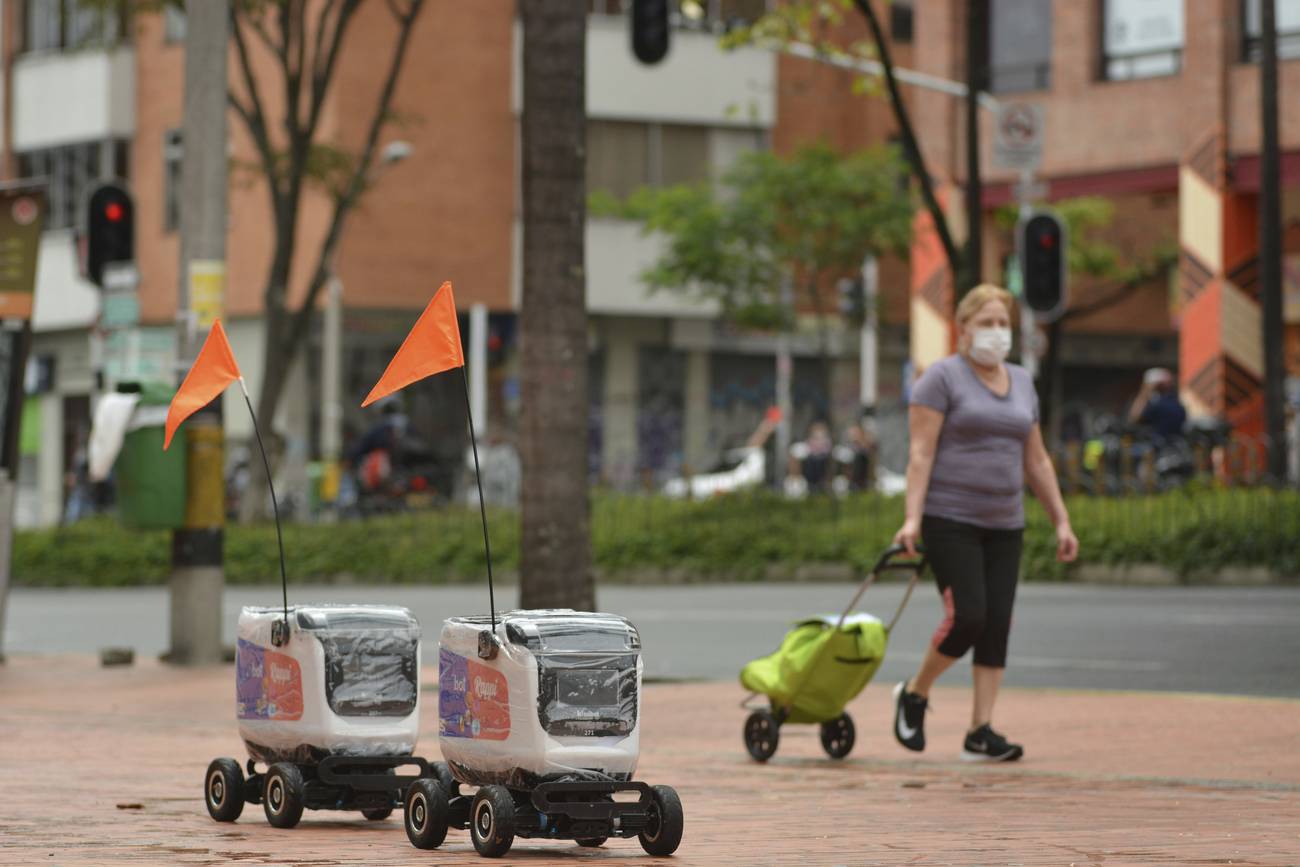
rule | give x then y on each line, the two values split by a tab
323	70
1118	293
345	202
910	147
254	115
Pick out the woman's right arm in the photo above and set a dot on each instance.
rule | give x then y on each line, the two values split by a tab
925	424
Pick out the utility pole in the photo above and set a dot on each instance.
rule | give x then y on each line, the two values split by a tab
976	66
1270	246
198	576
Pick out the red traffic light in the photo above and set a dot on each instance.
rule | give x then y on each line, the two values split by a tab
114	212
1047	241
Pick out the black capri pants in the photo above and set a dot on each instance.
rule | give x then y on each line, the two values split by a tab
976	570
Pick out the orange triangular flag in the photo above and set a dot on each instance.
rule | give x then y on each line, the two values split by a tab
432	347
213	370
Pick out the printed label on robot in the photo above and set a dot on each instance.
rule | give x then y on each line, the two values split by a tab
473	699
268	685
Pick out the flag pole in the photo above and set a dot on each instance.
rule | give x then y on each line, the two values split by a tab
478	478
275	508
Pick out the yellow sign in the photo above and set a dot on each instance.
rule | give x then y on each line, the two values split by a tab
207	291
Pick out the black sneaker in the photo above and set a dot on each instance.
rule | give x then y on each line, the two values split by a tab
986	745
909	718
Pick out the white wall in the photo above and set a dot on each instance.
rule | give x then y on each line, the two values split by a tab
63	300
73	96
617	253
696	83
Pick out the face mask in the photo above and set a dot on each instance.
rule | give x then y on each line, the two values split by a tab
989	346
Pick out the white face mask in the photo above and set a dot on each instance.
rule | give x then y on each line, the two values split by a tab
989	346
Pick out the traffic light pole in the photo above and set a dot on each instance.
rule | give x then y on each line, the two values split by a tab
198	575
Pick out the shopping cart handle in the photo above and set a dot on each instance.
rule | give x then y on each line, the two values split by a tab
885	564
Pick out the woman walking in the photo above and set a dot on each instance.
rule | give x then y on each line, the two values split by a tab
975	443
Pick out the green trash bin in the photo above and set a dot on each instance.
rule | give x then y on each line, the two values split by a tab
150	481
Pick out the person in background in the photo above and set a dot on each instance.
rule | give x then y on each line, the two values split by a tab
975	443
1158	408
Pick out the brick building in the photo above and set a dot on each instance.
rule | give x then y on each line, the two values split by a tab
93	97
1153	104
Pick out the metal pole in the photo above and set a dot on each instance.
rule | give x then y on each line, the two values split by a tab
976	27
331	435
1270	247
478	329
784	375
868	360
1028	324
198	575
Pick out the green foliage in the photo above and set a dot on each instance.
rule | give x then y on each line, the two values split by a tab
772	219
748	537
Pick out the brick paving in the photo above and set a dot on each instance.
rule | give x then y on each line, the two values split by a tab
105	766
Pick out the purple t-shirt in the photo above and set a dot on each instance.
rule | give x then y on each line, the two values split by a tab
978	475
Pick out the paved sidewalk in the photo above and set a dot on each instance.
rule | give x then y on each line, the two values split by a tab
105	766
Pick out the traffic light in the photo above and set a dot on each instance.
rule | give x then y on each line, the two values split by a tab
1041	250
110	230
853	300
650	30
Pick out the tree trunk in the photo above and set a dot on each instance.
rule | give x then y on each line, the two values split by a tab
555	559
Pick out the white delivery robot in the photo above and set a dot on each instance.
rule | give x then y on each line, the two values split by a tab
540	711
328	699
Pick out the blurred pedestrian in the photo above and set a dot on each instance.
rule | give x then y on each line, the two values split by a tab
1158	408
975	443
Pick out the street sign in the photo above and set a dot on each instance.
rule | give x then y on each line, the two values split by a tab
22	217
1018	136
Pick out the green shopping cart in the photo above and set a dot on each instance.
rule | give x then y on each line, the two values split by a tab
822	665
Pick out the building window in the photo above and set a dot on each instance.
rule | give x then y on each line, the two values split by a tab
623	156
64	25
172	180
69	172
900	21
1287	16
1020	45
1141	38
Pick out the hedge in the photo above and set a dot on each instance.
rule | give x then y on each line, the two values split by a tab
747	537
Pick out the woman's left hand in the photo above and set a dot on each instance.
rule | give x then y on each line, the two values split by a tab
1067	545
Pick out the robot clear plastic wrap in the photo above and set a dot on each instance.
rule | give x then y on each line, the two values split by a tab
559	702
346	683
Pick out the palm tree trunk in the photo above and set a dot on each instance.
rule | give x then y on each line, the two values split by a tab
555	560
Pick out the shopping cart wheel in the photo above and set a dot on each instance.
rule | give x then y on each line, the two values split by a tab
838	736
663	832
762	732
223	790
492	821
424	813
282	797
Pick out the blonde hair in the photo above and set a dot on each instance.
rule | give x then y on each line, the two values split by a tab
982	294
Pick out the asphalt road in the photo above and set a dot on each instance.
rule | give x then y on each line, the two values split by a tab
1220	640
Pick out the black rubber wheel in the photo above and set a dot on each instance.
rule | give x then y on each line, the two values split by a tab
442	774
663	833
838	736
223	790
282	795
377	814
762	734
592	842
492	821
424	813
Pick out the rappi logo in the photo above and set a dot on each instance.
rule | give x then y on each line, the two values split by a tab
486	689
